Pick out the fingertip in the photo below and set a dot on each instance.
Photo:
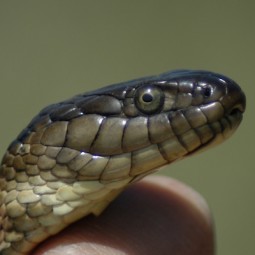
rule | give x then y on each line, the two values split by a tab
157	215
185	193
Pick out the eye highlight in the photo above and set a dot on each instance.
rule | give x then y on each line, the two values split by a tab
149	99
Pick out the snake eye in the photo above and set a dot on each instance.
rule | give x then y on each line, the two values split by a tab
149	99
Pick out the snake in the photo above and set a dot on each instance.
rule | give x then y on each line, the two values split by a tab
77	156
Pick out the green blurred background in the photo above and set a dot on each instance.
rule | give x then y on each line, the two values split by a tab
51	50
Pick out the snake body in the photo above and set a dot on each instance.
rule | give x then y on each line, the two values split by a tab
76	156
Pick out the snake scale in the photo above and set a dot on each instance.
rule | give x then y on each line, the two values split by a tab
76	156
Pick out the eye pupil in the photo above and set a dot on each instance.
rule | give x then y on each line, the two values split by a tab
147	98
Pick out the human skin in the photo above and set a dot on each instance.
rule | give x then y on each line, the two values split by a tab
157	215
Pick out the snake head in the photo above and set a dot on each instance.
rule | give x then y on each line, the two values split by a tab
203	104
193	108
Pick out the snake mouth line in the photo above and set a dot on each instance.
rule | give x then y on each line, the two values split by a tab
236	110
221	130
210	134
